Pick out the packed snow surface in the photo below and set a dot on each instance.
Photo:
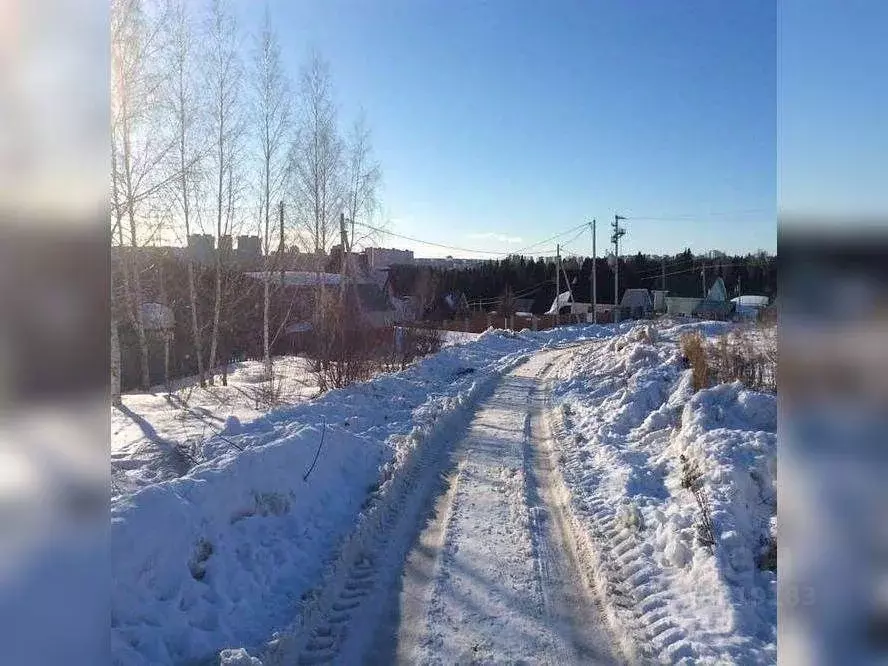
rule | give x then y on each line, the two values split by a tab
216	564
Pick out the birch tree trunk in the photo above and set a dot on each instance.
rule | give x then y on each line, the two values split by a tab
115	362
225	78
181	93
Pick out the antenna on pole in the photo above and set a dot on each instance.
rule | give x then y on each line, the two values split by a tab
619	232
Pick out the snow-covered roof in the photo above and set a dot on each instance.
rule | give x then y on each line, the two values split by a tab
300	278
751	300
560	301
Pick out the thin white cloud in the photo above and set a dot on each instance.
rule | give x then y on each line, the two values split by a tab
500	238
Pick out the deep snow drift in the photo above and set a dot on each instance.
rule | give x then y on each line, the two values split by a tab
223	556
632	435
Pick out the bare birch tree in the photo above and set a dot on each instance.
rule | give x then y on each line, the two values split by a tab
363	176
182	103
138	148
226	128
272	114
317	156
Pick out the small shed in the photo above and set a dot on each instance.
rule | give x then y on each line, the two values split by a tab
637	303
681	306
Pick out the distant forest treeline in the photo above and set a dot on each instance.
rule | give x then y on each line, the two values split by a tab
535	278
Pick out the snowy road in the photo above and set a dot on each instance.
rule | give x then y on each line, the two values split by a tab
493	576
475	562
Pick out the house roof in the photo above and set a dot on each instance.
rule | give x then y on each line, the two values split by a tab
718	291
636	298
559	302
752	301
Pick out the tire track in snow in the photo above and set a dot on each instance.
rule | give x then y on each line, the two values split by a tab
570	597
508	586
336	623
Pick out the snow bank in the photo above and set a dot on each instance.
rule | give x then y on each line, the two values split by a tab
152	433
228	554
625	414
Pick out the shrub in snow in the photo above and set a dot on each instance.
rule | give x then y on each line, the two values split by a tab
692	480
693	347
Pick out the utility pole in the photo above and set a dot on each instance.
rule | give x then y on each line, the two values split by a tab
663	273
594	279
557	284
703	277
281	244
619	232
570	292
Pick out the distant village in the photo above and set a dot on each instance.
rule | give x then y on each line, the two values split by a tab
386	287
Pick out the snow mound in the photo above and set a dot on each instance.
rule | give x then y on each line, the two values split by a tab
629	428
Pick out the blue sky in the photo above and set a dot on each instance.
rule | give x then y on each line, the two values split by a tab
833	106
511	119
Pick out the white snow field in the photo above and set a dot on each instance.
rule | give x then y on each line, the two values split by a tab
512	499
155	434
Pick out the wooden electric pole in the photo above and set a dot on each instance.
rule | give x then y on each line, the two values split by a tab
615	239
593	279
557	284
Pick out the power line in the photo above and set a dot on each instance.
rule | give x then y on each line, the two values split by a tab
659	271
441	245
520	294
463	249
581	232
695	268
551	238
